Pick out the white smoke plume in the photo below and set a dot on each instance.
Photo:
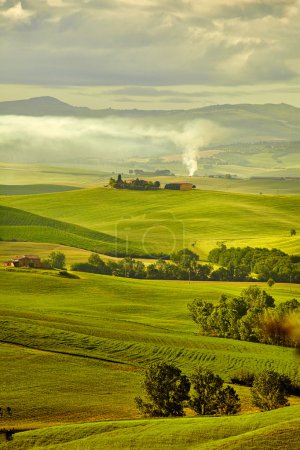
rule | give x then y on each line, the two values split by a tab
52	139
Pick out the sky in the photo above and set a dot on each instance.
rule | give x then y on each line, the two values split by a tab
151	54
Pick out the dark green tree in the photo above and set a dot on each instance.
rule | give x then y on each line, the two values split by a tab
229	401
210	397
269	390
166	391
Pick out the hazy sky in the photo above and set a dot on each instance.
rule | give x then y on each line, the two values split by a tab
151	53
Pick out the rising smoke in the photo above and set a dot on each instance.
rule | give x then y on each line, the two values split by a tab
61	139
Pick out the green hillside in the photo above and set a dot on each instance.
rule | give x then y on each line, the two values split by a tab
106	330
275	429
156	222
19	225
15	189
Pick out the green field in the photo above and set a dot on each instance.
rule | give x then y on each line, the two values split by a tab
33	174
271	430
73	351
88	341
148	223
27	189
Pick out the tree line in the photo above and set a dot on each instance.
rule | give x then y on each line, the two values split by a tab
168	392
184	265
242	264
237	264
252	316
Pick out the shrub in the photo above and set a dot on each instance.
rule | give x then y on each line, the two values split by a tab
66	274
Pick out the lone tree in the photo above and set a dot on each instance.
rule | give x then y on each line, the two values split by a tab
270	389
57	260
166	390
210	397
293	232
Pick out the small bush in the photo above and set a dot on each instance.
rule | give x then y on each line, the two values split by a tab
66	274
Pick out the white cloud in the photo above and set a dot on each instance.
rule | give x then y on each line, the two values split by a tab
17	13
150	42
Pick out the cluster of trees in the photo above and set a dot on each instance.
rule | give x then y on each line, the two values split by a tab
184	266
137	184
167	393
238	264
250	317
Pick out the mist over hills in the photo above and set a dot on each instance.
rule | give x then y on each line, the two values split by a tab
245	139
246	122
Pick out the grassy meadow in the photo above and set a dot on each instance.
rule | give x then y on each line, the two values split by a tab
88	341
73	351
149	223
266	431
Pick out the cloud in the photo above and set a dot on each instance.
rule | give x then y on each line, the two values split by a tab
150	42
16	13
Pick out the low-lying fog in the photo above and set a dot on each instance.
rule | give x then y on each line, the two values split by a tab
108	140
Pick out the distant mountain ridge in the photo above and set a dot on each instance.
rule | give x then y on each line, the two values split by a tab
245	122
46	105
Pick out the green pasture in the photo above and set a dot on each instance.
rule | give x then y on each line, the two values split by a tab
270	430
267	186
75	349
149	223
15	189
33	174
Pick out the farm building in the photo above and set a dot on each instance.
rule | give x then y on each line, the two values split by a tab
25	261
179	186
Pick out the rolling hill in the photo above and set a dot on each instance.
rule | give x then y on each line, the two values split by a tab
88	340
275	429
148	224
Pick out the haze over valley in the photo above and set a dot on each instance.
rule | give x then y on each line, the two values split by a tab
242	140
